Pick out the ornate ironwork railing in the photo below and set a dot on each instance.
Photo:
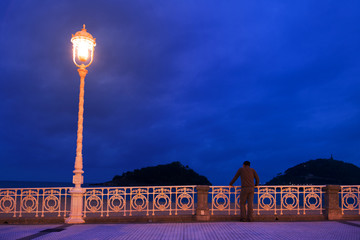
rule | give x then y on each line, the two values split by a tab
350	199
35	201
131	201
269	199
174	200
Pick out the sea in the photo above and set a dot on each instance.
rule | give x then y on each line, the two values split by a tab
30	184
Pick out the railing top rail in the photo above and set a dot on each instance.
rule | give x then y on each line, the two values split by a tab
175	186
31	188
278	186
298	186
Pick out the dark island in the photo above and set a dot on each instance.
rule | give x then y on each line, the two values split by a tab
161	175
319	172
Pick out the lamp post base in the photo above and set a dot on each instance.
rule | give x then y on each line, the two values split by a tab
74	220
75	217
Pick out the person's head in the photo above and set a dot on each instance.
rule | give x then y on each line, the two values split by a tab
246	163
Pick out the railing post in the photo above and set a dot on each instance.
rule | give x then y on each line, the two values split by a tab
76	207
332	205
202	209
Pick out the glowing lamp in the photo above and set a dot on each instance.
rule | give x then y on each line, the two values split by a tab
83	48
83	54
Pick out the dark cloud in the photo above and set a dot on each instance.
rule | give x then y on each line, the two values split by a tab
206	83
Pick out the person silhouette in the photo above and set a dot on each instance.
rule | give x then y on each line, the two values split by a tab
247	176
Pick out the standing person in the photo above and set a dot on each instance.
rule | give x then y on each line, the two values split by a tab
247	176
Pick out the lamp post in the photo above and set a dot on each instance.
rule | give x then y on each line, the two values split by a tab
83	55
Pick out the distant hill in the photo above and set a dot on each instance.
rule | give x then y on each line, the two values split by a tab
318	172
161	175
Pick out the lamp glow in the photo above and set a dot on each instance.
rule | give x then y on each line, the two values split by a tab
83	47
83	51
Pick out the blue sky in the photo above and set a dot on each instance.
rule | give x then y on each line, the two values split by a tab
207	83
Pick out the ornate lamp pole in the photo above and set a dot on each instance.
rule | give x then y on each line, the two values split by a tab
83	47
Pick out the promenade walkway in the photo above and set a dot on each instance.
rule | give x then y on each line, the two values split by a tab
211	230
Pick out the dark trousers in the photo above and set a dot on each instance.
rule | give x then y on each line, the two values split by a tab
246	195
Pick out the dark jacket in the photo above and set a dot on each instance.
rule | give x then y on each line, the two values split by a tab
247	176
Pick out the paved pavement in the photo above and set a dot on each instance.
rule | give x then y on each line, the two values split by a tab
213	230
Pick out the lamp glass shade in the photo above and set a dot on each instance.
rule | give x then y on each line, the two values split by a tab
83	48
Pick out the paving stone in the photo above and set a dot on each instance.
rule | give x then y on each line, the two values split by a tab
327	230
21	231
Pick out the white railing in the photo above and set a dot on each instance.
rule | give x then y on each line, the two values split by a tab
123	201
35	201
350	199
173	200
269	200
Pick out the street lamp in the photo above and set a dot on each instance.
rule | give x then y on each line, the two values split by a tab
83	55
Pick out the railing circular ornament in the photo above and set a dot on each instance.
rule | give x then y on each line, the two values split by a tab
187	204
93	203
221	205
289	205
51	203
7	204
312	201
117	207
267	206
237	202
162	202
139	202
29	203
353	203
